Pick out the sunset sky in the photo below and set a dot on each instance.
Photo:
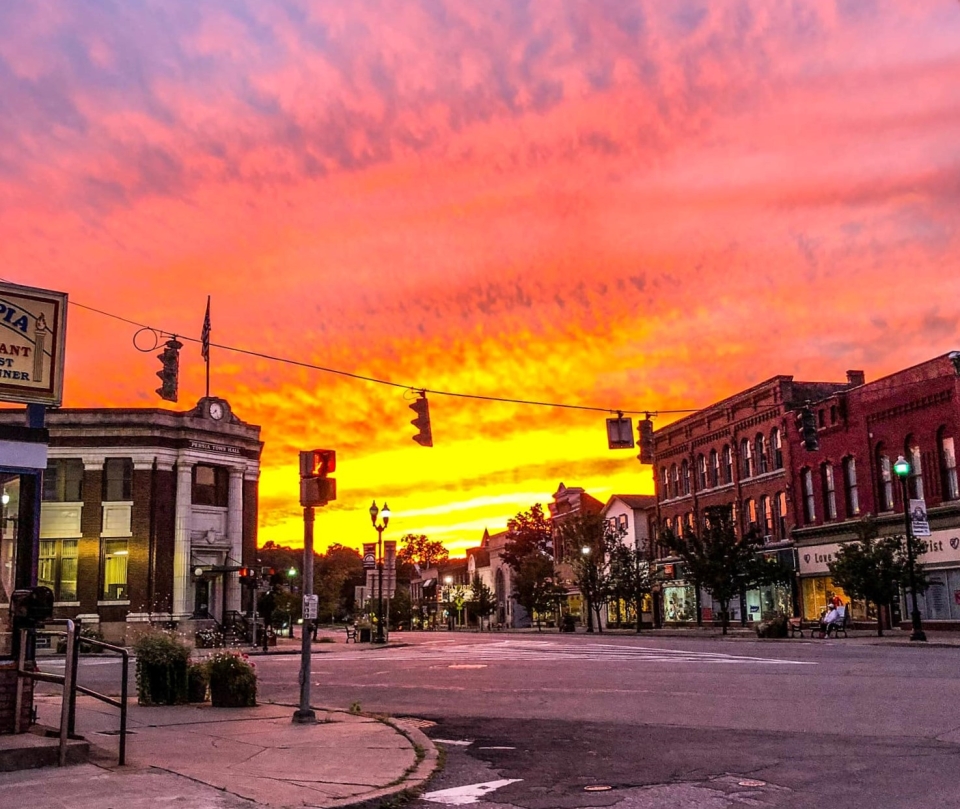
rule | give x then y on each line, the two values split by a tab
616	204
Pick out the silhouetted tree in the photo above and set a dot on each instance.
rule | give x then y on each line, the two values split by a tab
484	602
419	550
588	539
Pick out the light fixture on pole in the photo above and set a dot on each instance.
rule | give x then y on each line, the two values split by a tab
902	468
380	527
585	552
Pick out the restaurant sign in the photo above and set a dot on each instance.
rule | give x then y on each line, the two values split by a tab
33	331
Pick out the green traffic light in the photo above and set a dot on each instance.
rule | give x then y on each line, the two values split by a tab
901	467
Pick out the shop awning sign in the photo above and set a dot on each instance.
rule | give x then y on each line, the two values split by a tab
918	518
33	332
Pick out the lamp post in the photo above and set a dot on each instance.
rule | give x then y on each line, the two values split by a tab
902	468
447	584
585	553
381	527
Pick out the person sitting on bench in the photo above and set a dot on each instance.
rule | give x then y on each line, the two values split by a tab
829	618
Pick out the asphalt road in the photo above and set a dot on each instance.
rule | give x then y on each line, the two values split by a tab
662	722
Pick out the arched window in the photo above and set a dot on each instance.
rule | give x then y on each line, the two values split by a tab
829	492
760	443
750	513
776	444
714	468
781	506
727	464
664	484
685	476
884	480
766	515
746	458
809	501
948	465
675	480
915	479
852	497
701	473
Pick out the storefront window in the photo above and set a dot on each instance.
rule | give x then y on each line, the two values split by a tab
765	602
680	603
941	601
57	568
9	513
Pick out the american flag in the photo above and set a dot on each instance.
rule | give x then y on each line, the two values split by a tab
205	334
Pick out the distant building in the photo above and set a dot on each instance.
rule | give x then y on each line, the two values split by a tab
146	514
567	502
633	517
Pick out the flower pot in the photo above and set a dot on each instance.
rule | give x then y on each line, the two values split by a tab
230	695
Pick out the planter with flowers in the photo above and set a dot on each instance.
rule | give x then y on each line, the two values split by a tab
162	660
232	679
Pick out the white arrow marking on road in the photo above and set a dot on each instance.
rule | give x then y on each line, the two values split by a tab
460	796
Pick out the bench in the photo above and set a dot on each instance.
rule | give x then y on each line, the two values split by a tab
351	633
834	628
795	627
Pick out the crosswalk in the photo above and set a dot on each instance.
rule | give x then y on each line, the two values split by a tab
467	655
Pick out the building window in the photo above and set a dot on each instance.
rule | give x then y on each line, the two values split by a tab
782	515
622	524
850	487
664	483
829	492
714	468
114	576
948	465
833	414
777	445
685	477
701	472
761	458
766	514
821	420
210	486
746	459
809	503
884	480
57	567
915	480
749	514
675	480
117	479
63	481
727	464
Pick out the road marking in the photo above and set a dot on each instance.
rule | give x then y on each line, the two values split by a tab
467	666
455	742
460	796
496	748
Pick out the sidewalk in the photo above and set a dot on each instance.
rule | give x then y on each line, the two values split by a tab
221	758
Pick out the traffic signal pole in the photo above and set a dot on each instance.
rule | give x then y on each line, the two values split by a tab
305	714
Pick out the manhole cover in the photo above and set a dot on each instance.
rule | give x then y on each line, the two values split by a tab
597	788
750	782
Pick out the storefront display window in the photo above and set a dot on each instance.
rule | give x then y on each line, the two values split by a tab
9	512
767	601
817	591
941	601
679	603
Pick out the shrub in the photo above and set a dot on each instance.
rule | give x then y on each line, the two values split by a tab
208	638
197	682
775	627
161	669
85	648
233	680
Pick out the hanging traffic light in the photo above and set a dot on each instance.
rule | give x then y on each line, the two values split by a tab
170	371
422	422
645	429
807	427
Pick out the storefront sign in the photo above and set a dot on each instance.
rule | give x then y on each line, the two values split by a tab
33	332
815	558
207	446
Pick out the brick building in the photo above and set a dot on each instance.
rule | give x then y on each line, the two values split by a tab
734	453
914	413
146	514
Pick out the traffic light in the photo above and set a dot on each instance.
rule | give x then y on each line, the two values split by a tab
170	371
422	422
318	463
248	576
645	428
316	488
807	426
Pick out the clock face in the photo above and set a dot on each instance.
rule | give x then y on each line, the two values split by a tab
216	411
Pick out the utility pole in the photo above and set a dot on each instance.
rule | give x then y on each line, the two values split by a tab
305	714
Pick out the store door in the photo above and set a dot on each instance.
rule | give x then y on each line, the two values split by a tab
201	605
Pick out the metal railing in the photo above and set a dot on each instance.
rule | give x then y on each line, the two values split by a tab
68	708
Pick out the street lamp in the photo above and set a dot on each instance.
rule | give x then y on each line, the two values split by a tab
385	514
585	551
902	468
447	584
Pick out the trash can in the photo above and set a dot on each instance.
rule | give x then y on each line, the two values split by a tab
364	632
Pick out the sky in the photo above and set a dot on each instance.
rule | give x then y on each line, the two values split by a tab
612	204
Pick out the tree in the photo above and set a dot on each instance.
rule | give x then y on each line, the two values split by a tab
484	602
419	550
872	568
717	560
587	539
630	576
335	575
400	608
534	587
529	534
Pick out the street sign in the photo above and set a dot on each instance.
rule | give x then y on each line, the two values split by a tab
369	555
918	518
310	607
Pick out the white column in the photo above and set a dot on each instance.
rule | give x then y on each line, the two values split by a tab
182	589
234	536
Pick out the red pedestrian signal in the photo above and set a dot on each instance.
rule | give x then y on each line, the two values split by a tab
317	463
